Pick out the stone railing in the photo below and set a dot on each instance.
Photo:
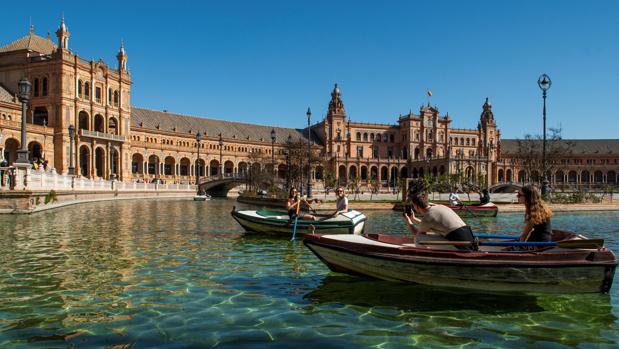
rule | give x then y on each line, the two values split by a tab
48	180
102	135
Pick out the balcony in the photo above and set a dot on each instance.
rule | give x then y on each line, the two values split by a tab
102	135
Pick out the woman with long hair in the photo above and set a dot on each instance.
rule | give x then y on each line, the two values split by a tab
292	205
537	215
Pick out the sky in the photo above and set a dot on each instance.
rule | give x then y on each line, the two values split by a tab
266	62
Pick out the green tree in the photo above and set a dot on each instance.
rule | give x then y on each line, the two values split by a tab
329	181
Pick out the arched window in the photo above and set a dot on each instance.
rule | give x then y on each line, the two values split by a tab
44	87
372	137
365	136
378	137
116	98
468	141
79	88
358	136
473	141
109	96
36	87
87	90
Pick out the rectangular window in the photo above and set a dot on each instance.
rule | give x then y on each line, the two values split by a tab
389	152
359	152
98	94
375	152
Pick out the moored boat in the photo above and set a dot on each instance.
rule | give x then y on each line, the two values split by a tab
472	211
201	197
549	269
278	222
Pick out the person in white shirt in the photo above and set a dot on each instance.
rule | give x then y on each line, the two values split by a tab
454	199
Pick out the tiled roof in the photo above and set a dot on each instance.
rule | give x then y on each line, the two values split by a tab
5	95
30	42
182	124
594	147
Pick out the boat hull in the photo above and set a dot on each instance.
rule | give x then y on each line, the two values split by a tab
471	270
285	226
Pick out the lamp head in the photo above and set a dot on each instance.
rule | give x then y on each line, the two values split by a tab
71	131
198	137
309	112
24	88
221	140
544	82
273	134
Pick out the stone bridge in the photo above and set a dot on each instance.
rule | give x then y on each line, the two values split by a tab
505	187
220	186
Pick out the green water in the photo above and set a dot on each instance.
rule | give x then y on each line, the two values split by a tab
181	274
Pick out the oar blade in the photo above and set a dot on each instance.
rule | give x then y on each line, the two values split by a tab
585	244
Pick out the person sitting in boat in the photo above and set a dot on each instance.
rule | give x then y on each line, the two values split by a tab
341	205
292	206
439	219
484	197
454	199
537	213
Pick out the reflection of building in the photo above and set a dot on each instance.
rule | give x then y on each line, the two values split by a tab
117	140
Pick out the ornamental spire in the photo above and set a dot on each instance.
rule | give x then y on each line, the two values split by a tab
336	107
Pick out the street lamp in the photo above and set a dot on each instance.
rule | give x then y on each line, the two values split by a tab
273	150
309	153
198	139
221	165
24	95
71	137
288	145
544	84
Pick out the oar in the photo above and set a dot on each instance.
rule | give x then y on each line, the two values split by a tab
495	236
585	244
296	219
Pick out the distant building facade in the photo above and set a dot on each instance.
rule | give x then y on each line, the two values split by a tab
115	140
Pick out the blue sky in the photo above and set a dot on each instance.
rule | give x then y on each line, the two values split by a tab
267	61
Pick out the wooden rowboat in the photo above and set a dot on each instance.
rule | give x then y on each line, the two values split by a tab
550	269
278	222
472	211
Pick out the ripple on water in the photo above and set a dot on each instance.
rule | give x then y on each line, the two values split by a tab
180	274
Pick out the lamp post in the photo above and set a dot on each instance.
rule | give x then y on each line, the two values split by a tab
1	147
544	84
71	137
221	165
288	144
24	95
273	150
309	153
198	139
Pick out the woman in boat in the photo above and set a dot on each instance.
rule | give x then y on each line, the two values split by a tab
439	219
292	206
537	215
341	205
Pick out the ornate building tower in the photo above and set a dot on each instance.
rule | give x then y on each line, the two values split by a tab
335	128
63	35
488	136
122	58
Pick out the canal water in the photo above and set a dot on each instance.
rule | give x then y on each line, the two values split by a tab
182	274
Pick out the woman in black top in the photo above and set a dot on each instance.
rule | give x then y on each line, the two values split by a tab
292	206
536	216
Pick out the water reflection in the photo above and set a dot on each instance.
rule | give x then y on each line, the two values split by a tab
172	273
370	293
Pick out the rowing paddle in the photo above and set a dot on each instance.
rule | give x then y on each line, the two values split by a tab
496	236
585	244
296	219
